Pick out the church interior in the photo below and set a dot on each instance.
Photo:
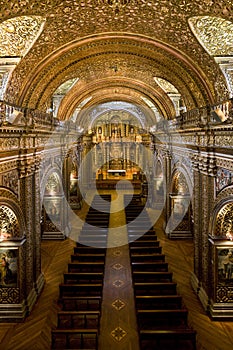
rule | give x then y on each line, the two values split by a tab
116	174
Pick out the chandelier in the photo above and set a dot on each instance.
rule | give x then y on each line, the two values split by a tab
115	5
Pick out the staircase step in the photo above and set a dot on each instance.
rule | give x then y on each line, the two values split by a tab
164	339
81	303
78	319
154	288
157	319
75	339
147	257
87	257
158	302
80	289
89	250
145	250
150	276
144	243
86	266
149	266
83	277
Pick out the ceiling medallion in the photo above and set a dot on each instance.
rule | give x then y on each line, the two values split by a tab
115	5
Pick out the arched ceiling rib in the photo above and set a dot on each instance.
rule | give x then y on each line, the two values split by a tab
100	56
121	89
160	29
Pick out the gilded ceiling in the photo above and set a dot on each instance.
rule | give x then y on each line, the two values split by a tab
214	33
18	34
105	44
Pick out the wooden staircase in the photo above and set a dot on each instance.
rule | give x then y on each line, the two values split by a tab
81	293
162	318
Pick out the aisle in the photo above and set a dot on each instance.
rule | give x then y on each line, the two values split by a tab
118	328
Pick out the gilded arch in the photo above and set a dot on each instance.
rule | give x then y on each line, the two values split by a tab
221	221
10	208
90	52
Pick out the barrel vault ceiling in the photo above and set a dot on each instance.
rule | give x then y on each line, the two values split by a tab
115	49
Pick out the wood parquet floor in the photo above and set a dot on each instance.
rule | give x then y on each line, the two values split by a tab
35	332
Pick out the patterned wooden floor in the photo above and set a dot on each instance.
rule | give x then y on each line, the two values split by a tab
35	332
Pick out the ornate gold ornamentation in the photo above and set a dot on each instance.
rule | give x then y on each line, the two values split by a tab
215	34
180	184
9	143
117	253
118	333
18	34
224	222
117	266
9	295
116	5
224	294
118	283
118	304
163	22
166	85
9	225
10	180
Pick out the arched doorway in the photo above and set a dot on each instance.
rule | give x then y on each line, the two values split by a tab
53	221
180	222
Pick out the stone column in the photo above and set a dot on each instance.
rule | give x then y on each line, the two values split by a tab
127	130
27	199
197	210
38	275
204	178
66	171
167	167
87	163
122	130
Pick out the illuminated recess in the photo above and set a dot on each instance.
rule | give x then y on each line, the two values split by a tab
9	226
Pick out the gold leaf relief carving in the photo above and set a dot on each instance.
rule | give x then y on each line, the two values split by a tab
18	34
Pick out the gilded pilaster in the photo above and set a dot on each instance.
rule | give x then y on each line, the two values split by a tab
197	209
37	224
204	165
168	169
27	200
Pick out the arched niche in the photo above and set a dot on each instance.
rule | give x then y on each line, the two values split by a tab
12	224
179	183
223	220
74	194
53	219
12	257
221	256
9	224
180	207
159	185
219	225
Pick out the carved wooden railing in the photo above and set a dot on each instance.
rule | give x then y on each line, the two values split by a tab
202	117
11	115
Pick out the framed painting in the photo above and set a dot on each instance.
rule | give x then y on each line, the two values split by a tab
225	266
8	267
